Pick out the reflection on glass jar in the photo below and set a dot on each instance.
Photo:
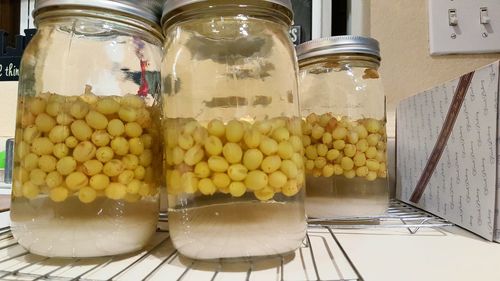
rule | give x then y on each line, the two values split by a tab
232	130
87	135
344	127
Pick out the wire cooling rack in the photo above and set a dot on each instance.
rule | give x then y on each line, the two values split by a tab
399	215
321	257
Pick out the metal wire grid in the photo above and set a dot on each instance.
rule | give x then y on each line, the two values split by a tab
321	257
399	215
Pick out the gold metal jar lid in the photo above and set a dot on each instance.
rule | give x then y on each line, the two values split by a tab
338	45
171	7
148	10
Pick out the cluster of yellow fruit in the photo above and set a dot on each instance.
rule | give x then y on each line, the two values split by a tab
86	146
344	147
265	157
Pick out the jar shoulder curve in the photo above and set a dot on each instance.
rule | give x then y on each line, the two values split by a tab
108	56
202	69
249	49
349	81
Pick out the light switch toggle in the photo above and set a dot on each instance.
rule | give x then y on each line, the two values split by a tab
452	17
483	16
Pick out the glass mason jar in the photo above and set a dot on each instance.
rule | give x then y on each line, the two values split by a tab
235	175
344	127
86	139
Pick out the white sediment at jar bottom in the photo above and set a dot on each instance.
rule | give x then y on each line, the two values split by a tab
340	208
338	197
71	229
238	230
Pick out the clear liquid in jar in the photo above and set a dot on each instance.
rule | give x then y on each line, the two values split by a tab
236	192
84	183
339	197
70	229
346	166
232	229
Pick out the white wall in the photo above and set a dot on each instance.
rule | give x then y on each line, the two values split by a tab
401	27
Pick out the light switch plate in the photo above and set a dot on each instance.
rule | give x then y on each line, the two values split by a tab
468	36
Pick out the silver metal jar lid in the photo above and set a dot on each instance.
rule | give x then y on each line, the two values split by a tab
336	45
149	10
171	5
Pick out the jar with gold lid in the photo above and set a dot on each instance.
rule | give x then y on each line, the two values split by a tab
235	174
86	146
344	127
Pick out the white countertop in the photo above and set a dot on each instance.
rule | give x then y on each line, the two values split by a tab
430	254
5	188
